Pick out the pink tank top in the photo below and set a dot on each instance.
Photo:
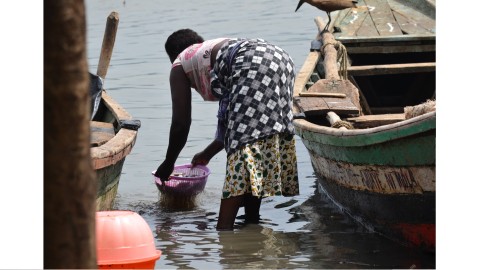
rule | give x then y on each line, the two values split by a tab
195	61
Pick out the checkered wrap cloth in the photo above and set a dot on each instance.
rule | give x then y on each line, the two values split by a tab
254	81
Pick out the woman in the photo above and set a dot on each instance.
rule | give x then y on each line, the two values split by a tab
253	82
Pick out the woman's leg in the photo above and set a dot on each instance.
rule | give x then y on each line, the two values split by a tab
228	212
252	208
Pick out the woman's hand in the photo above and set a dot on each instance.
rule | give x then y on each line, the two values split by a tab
200	158
164	171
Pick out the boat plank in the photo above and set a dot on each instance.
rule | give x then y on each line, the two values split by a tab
367	28
305	72
100	133
369	121
313	94
416	12
323	105
383	18
391	69
353	19
338	87
118	111
408	26
338	16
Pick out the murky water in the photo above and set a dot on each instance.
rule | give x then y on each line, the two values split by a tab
304	232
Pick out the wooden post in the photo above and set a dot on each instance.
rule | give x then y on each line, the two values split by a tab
329	62
69	180
330	53
107	45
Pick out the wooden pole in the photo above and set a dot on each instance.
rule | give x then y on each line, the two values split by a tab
329	62
69	180
107	44
330	53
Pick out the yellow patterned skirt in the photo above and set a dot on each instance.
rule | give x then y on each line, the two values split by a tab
264	168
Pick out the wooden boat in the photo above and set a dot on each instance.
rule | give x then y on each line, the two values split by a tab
113	130
372	157
113	135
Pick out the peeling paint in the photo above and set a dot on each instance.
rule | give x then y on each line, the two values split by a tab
377	179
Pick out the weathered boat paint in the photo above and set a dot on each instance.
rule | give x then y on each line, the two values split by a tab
374	178
406	218
389	144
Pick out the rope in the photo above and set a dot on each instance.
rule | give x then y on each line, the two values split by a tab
341	57
343	60
342	123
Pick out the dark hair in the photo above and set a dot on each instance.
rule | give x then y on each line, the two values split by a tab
179	41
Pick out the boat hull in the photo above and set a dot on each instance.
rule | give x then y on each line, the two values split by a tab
109	157
383	177
108	179
405	218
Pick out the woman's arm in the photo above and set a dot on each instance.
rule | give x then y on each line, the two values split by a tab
181	120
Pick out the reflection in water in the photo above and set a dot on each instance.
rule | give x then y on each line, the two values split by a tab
256	247
326	239
174	202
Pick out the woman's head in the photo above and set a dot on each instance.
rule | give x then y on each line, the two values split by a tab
179	41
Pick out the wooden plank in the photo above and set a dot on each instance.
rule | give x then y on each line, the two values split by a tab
118	111
101	126
100	133
311	105
353	19
367	28
391	69
420	13
391	44
311	94
381	48
341	105
369	121
337	18
386	39
305	72
408	26
321	106
383	18
339	87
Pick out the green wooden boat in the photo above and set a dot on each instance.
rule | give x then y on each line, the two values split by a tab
369	126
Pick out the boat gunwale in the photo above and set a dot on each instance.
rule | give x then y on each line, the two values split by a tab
120	145
376	39
303	125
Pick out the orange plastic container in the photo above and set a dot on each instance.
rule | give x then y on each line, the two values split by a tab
124	240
